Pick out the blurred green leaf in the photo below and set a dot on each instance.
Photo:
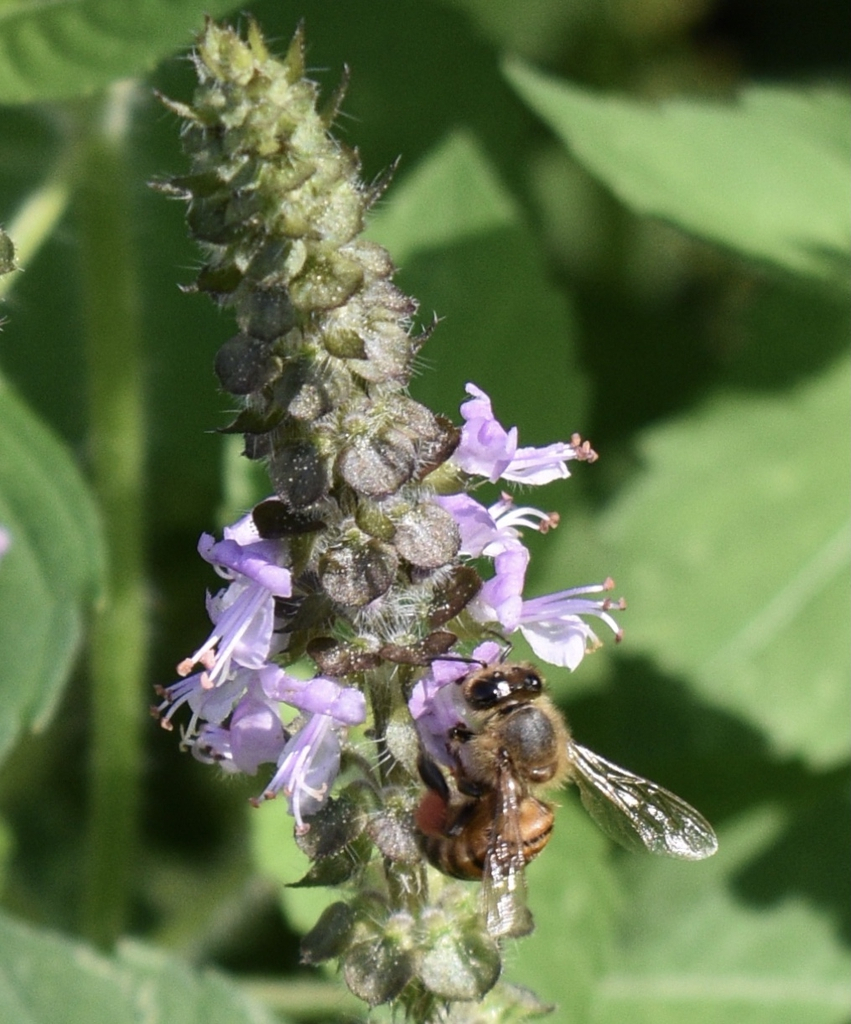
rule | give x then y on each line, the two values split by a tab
766	175
465	252
692	951
277	856
574	894
71	48
51	572
733	547
46	979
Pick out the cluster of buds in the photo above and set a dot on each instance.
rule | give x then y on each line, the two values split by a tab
372	560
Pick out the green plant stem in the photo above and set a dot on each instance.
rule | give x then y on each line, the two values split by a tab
113	331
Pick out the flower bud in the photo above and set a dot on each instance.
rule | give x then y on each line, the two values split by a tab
379	963
297	473
245	364
357	574
460	959
427	537
329	936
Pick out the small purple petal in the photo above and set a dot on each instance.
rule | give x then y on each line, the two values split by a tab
554	629
536	466
243	531
486	447
307	769
319	695
562	642
475	523
500	598
256	735
259	562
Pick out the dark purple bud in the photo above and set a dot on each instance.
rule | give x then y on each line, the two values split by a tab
302	391
338	659
334	827
329	936
245	364
378	466
297	473
423	652
453	594
357	575
209	220
433	450
266	314
218	282
274	520
254	421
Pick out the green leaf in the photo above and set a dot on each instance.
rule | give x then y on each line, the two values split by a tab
277	856
51	572
466	253
72	48
732	548
766	175
574	896
697	946
46	979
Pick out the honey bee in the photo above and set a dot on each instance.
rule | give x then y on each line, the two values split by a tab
513	742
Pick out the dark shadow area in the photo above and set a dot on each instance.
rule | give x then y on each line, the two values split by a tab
776	37
653	725
811	858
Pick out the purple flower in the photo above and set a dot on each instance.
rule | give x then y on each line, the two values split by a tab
307	755
208	703
488	450
307	768
319	695
494	532
500	599
255	736
488	531
554	629
437	707
310	761
486	447
243	613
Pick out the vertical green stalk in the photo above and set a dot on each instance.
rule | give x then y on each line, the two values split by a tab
112	319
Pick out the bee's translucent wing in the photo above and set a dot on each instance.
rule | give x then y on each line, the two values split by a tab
503	878
637	813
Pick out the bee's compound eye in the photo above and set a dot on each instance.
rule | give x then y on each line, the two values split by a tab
487	691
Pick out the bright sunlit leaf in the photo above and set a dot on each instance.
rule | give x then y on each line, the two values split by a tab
72	48
734	546
575	898
464	249
698	946
765	174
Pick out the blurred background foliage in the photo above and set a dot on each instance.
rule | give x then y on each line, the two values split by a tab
632	220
